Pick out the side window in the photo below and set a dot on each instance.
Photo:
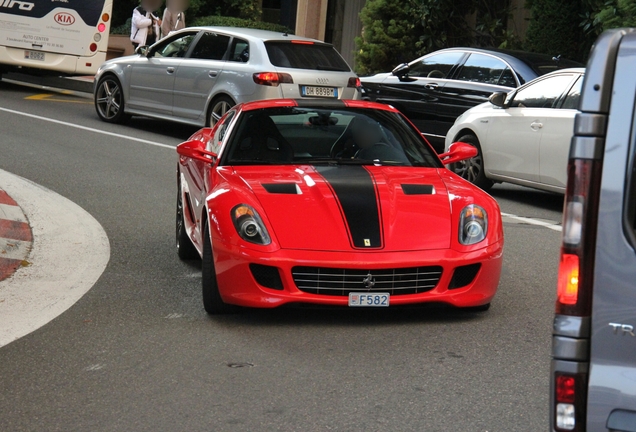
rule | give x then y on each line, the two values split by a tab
175	47
507	79
572	99
210	47
435	66
482	68
239	51
214	143
542	94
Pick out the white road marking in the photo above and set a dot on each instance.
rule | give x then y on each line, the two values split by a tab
12	213
531	221
94	367
14	249
70	252
86	128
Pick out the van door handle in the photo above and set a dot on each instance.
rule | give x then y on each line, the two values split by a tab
170	70
535	125
213	74
431	86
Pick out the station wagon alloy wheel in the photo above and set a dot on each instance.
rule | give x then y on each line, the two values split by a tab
109	100
219	107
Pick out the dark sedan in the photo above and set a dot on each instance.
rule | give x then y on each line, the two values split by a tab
434	90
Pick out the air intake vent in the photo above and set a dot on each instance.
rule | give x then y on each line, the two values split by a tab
267	276
464	275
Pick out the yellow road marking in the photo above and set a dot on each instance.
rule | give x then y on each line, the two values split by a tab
49	97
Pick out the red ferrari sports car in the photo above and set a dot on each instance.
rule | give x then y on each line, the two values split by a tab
333	203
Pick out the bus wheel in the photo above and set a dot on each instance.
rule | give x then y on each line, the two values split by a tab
109	100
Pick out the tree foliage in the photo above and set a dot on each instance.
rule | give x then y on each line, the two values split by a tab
397	31
389	36
555	29
615	14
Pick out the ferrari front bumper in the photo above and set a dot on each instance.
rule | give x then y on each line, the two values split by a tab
237	284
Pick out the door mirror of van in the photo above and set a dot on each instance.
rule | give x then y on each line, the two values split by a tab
498	99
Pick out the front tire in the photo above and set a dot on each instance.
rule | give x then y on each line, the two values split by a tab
109	100
185	248
218	108
473	169
212	301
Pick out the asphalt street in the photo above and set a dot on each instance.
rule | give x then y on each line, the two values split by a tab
138	353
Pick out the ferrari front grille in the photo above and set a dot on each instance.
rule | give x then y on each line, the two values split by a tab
341	282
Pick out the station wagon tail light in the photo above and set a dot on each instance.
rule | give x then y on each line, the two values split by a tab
354	82
569	394
302	42
272	78
249	225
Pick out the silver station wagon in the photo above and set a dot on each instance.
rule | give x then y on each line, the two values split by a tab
195	75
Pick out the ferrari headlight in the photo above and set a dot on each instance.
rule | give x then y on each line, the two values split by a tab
473	225
249	225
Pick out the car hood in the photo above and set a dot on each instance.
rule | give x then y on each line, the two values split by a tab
352	207
377	78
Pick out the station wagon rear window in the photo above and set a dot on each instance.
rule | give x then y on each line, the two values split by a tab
305	56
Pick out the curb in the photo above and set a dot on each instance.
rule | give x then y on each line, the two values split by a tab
68	254
16	237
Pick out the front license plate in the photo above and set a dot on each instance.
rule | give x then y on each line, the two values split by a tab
320	91
34	55
369	300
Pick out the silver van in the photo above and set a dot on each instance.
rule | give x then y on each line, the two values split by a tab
593	375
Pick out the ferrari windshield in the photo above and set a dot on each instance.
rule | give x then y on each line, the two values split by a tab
293	135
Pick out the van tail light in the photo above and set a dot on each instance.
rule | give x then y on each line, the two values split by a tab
272	78
354	82
580	213
569	401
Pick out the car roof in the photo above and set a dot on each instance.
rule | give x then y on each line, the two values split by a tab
249	33
527	64
315	103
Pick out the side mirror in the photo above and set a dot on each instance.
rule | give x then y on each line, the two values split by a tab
498	99
195	150
458	151
401	70
142	50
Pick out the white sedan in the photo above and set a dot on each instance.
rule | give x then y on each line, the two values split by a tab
522	137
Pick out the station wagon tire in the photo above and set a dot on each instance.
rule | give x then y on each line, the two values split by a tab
218	108
109	100
473	169
212	301
185	248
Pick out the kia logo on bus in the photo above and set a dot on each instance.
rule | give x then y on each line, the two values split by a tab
64	18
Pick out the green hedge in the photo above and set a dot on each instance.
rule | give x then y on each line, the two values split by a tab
218	21
222	21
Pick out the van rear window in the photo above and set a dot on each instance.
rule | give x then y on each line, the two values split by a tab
305	56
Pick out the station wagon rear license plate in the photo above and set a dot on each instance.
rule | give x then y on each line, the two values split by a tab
329	92
34	55
369	300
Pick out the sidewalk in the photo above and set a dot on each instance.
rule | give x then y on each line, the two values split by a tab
16	237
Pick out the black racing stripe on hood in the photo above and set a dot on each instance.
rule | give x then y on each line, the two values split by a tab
354	188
